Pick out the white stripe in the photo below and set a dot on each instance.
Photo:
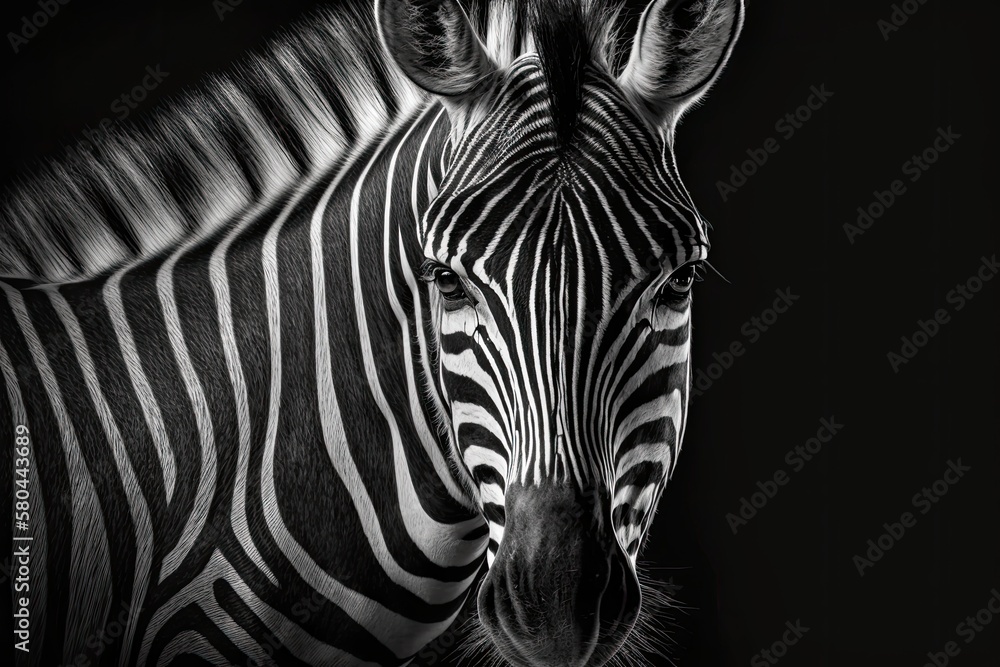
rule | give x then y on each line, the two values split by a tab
667	406
139	511
541	358
219	279
137	375
430	185
650	452
473	413
290	635
381	622
192	643
659	359
491	493
477	456
199	590
206	436
441	543
37	528
90	566
428	589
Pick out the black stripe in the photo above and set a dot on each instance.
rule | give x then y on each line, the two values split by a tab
96	452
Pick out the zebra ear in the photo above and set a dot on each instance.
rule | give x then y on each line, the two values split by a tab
679	49
434	44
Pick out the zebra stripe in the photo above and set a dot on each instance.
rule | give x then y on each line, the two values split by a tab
446	546
265	427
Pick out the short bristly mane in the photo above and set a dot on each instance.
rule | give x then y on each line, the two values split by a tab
569	36
239	139
244	138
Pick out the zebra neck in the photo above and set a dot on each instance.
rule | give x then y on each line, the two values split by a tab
363	316
369	217
267	398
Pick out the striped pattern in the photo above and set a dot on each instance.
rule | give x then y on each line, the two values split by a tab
250	479
568	369
261	433
240	140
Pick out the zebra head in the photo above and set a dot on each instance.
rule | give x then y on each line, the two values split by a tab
560	249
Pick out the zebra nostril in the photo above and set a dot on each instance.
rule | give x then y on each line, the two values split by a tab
619	609
497	613
547	613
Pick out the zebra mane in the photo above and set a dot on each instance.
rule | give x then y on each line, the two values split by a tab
569	35
244	138
239	139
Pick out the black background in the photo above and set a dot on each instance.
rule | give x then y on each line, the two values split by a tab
825	357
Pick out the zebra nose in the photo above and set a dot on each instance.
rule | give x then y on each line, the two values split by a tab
560	593
544	625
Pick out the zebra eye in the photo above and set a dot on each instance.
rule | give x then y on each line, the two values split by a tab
449	285
447	282
680	283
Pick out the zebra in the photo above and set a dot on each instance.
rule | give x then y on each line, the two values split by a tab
393	317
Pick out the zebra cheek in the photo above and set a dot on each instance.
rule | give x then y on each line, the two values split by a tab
471	321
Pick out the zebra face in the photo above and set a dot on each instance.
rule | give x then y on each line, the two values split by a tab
561	298
560	250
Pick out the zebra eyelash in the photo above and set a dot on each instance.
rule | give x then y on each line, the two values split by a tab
431	271
667	293
427	269
698	268
705	266
667	297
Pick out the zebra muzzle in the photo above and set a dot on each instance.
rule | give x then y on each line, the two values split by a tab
561	592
